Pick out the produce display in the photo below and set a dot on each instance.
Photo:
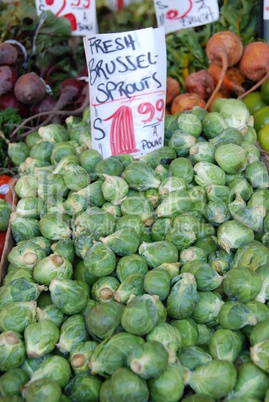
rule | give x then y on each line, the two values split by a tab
139	279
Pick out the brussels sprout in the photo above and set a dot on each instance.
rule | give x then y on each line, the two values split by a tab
169	386
69	296
259	354
158	252
181	142
182	297
80	356
51	313
44	299
157	282
74	122
206	277
106	392
217	212
93	193
148	360
225	344
232	235
188	331
110	165
259	197
32	139
170	125
52	266
19	290
192	357
17	316
44	389
189	123
171	267
182	168
53	133
235	315
95	219
55	368
152	195
138	206
215	191
241	186
100	260
252	152
72	332
242	284
261	312
91	303
40	338
88	160
122	242
174	204
42	151
61	150
230	136
181	237
75	204
207	308
133	284
65	161
83	241
204	334
131	264
250	136
18	152
263	295
142	314
252	382
23	228
76	177
162	172
257	175
251	217
115	189
53	205
215	378
65	249
213	124
259	332
26	254
113	209
126	385
104	288
55	226
12	381
30	166
26	186
131	222
169	336
51	186
15	273
5	211
206	173
31	364
171	183
202	152
103	319
198	398
12	350
192	254
235	113
113	352
29	207
220	261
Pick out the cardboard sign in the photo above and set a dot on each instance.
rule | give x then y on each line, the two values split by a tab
117	5
174	15
80	13
127	84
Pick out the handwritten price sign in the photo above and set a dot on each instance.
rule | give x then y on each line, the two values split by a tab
174	15
127	77
266	9
117	5
80	13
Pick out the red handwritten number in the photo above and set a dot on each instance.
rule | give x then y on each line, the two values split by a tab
75	4
86	4
174	14
160	107
146	108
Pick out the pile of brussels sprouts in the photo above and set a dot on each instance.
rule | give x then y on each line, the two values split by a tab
139	280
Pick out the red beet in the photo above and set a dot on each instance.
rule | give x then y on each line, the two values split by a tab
200	82
46	105
8	54
10	100
8	77
30	88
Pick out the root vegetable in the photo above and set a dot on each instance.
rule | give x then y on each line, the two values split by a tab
254	64
8	77
10	100
200	82
172	89
30	88
224	49
46	105
232	80
186	101
8	54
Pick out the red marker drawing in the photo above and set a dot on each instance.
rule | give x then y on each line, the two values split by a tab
174	14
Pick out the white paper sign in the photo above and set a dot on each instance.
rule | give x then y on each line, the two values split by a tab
266	9
127	82
80	13
117	5
174	15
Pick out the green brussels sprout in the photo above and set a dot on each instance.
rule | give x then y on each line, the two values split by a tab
83	241
23	228
163	155
181	142
207	308
206	277
132	222
138	206
106	391
29	207
189	123
17	316
261	312
169	336
216	212
74	122
171	267
5	211
93	193
131	264
104	288
251	217
263	295
122	242
198	398
232	235
242	284
31	364
80	356
236	205
18	152
56	368
60	150
213	124
42	151
225	344
257	175
53	205
259	197
75	204
72	332
64	248
55	226
133	284
182	168
51	185
259	332
182	297
115	189
169	386
44	299
204	334
26	254
202	152
206	173
113	352
192	253
215	378
40	338
193	356
88	160
95	219
222	193
100	260
76	177
113	209
252	382
162	172
51	313
44	389
32	139
198	199
250	136
235	315
69	296
157	282
126	385
140	176
220	261
26	186
12	381
171	183
142	314
53	133
241	186
30	166
125	159
227	136
235	113
158	252
103	319
152	195
170	125
252	152
199	112
188	331
12	350
259	354
182	237
173	204
65	161
16	273
19	290
52	266
148	360
110	165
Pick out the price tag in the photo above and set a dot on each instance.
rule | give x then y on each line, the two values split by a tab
266	9
117	5
174	15
127	83
80	13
